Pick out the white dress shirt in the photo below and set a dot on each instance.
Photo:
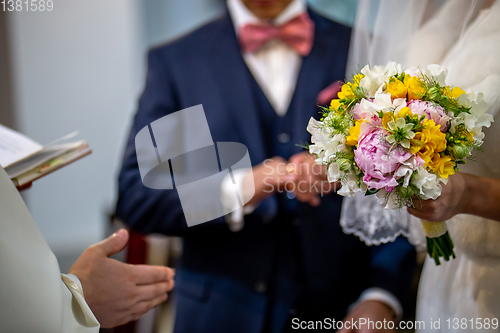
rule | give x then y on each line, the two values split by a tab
276	67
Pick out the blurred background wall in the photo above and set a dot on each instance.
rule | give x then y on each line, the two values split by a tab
81	67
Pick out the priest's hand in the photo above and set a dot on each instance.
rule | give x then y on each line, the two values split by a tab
117	292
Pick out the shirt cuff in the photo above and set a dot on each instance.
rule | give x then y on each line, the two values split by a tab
75	279
231	184
381	295
80	309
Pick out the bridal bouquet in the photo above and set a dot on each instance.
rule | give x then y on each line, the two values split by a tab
399	134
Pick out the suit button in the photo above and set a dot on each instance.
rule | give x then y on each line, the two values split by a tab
284	137
261	287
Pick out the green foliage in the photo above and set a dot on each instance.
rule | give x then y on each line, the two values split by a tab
339	121
436	93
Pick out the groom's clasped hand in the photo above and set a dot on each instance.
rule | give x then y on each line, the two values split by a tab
309	179
300	177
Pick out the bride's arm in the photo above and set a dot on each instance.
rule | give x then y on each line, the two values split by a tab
464	194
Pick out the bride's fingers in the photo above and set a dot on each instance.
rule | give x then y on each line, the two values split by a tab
431	210
416	203
424	213
416	213
415	207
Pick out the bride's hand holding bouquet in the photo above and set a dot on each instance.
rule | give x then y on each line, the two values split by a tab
463	194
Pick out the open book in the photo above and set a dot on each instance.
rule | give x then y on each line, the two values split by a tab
25	160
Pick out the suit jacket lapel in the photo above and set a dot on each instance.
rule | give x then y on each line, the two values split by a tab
314	75
235	82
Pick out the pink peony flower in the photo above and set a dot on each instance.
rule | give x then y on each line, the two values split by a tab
430	111
377	160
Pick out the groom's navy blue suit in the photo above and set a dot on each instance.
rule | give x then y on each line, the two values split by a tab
289	254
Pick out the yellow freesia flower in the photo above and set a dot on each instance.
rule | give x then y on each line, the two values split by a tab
347	91
453	93
415	86
352	138
457	92
356	80
447	91
416	144
334	104
434	162
426	152
443	165
439	140
428	142
397	89
435	135
387	118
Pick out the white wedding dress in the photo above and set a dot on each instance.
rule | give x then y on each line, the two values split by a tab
466	40
468	287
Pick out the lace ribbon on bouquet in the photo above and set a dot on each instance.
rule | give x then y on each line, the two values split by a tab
364	217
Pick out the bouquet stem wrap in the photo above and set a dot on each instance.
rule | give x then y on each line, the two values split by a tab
439	243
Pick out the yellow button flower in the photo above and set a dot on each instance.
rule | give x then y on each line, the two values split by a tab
397	89
352	138
405	112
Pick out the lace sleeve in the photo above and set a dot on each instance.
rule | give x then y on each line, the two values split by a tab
364	217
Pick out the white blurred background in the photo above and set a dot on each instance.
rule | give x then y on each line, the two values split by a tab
82	67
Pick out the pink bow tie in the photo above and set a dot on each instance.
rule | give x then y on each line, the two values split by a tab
297	33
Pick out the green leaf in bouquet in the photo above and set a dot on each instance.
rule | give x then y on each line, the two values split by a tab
371	191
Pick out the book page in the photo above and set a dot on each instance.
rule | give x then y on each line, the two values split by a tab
14	146
41	157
